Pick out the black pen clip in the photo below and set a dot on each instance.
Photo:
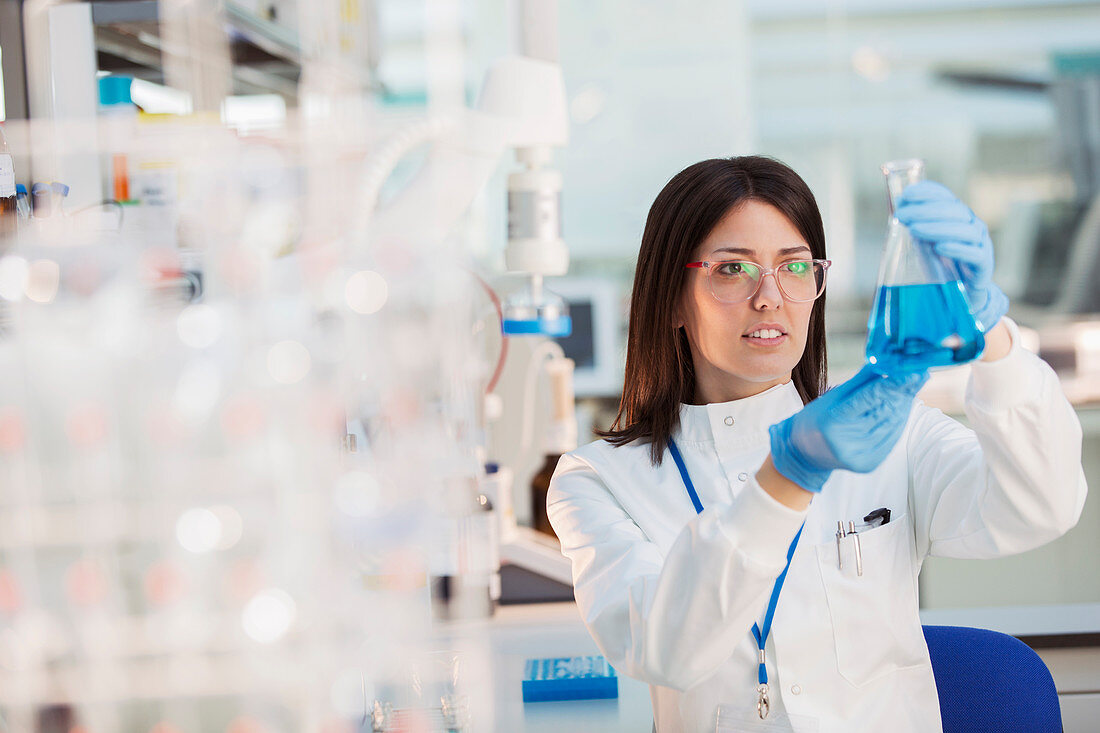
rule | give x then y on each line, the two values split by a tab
883	514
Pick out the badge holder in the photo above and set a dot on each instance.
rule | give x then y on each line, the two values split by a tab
746	719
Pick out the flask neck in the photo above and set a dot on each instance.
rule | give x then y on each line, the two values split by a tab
899	174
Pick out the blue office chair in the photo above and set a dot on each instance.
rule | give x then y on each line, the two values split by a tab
991	682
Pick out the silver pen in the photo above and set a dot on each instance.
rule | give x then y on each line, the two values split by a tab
839	537
859	552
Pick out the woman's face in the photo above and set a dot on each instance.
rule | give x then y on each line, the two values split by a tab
732	354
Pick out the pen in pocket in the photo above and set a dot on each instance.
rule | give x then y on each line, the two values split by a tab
876	518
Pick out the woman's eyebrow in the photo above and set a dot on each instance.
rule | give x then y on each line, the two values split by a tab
752	252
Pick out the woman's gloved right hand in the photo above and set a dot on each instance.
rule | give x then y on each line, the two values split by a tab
853	427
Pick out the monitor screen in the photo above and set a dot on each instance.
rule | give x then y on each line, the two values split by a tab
580	345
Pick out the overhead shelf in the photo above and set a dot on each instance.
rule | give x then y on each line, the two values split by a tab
265	55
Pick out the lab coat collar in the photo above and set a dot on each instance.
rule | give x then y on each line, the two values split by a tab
738	424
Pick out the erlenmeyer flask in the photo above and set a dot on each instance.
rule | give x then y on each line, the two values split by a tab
921	318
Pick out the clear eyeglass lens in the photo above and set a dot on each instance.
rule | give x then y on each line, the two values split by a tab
733	282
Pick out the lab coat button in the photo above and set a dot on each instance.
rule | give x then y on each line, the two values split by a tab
742	476
796	690
729	420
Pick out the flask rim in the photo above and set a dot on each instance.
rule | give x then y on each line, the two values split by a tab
902	165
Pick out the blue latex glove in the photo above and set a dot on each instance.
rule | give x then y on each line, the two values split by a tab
934	215
853	427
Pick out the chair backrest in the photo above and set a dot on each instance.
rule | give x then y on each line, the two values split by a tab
991	682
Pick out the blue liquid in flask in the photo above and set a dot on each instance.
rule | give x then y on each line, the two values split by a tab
918	327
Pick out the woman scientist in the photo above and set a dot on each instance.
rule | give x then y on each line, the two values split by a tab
730	472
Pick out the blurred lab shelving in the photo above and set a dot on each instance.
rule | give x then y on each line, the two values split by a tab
266	53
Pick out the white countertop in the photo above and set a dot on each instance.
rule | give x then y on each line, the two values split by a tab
1047	620
521	632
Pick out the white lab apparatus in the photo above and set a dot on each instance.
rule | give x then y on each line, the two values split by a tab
180	519
188	538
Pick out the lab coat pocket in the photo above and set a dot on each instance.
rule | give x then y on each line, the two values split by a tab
876	625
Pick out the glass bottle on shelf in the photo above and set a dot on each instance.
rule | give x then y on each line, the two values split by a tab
561	437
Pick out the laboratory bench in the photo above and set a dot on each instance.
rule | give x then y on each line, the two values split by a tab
521	632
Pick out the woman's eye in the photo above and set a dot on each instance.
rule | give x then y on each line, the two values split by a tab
797	268
736	269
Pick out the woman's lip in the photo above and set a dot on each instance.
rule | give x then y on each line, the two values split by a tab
766	342
766	327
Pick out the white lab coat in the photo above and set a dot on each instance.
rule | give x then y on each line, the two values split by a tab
670	596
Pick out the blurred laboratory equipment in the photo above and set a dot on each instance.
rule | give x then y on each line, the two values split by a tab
1048	257
532	564
1065	256
597	312
62	97
22	202
561	437
42	200
921	318
535	246
186	519
248	482
522	107
533	310
9	214
179	521
119	115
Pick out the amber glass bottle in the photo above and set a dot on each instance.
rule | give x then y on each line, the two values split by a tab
561	437
540	484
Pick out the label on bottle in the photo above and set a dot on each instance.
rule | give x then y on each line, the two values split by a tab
7	176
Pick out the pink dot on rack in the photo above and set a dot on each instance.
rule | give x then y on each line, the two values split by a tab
326	413
398	255
164	727
412	721
85	277
160	263
245	579
240	269
164	583
163	426
337	726
85	583
245	724
242	417
13	432
10	597
86	425
319	257
403	406
404	570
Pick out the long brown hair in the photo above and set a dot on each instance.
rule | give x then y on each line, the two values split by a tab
659	370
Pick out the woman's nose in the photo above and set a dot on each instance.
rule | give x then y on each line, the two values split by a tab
768	295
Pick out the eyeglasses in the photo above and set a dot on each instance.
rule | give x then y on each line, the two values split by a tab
736	281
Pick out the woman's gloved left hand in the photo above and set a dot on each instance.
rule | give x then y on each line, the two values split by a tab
853	426
935	215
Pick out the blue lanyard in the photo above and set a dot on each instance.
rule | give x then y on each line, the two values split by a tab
761	638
